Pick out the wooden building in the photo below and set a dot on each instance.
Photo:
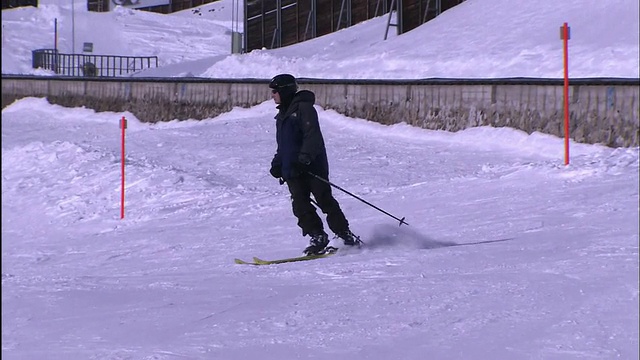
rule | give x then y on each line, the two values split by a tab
158	6
275	23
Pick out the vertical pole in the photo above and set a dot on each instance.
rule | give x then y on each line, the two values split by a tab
123	126
73	28
55	45
233	22
245	38
565	37
314	27
391	7
279	22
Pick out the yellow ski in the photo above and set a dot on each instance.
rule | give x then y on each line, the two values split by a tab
258	261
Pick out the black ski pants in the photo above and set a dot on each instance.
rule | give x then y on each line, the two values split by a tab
301	188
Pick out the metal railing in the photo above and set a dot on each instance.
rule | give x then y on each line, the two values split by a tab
90	65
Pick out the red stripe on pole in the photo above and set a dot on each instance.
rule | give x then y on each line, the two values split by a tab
565	31
123	126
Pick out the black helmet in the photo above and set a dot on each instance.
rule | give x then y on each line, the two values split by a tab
284	82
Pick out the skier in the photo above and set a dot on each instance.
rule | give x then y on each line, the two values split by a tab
301	152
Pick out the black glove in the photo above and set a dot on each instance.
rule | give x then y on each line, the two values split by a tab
276	171
304	159
302	165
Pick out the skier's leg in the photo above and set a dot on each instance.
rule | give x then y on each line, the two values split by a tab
329	205
308	219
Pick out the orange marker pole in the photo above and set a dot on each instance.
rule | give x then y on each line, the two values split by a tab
565	35
123	126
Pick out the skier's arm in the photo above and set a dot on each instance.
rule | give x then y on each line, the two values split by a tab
276	162
311	135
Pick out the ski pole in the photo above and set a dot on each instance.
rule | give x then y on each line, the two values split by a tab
364	201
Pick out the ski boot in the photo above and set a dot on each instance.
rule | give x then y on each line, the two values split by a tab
349	238
317	244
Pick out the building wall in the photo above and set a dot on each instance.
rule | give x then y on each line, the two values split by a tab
602	110
11	4
276	23
416	12
157	6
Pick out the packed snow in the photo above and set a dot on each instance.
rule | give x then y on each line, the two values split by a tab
509	254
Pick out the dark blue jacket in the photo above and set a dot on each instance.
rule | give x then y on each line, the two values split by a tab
298	132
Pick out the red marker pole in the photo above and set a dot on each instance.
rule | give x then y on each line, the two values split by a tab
123	126
565	36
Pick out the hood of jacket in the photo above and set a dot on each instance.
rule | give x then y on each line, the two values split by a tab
302	96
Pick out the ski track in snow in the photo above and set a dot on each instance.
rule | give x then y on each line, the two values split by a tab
508	254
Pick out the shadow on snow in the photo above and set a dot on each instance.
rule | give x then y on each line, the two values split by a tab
395	236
